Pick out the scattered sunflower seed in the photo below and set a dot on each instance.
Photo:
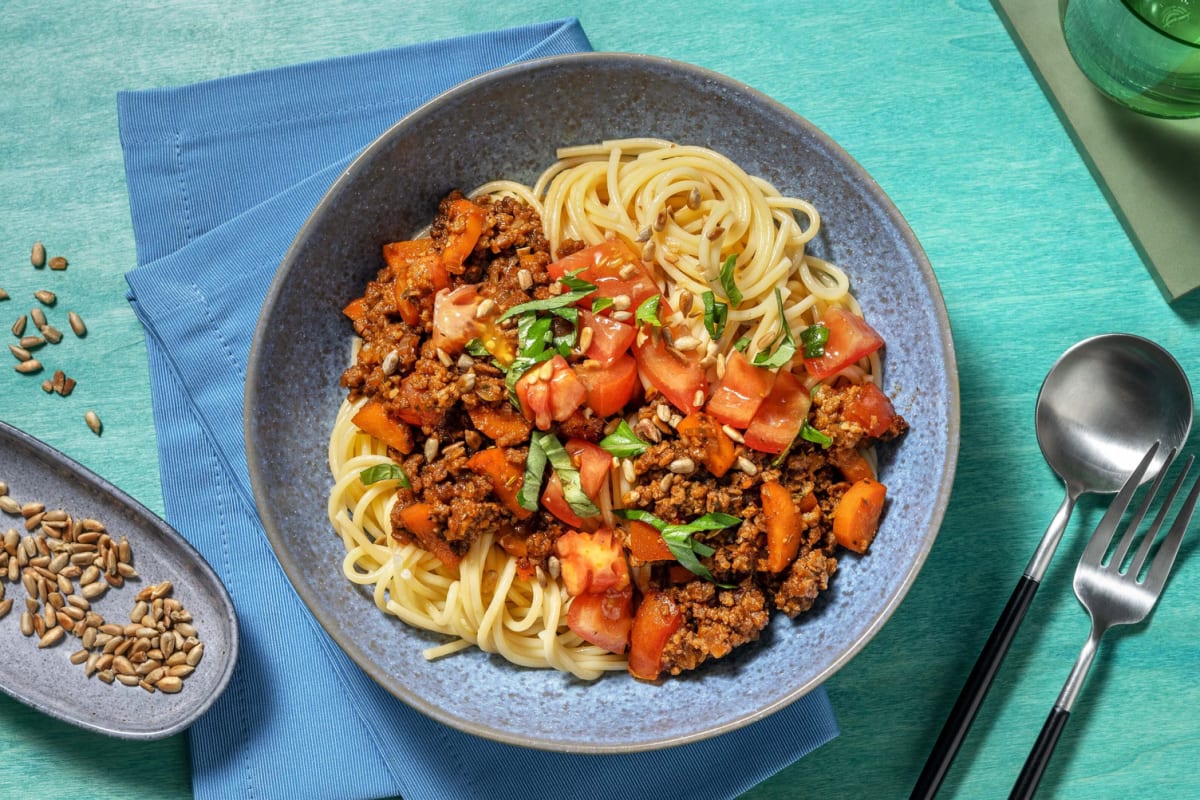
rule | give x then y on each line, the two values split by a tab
91	418
46	297
31	342
53	335
32	365
58	262
18	327
3	295
37	256
19	353
38	316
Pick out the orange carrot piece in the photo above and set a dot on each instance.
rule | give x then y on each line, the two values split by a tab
856	517
504	425
400	254
783	526
646	543
373	420
417	519
356	309
506	478
466	224
719	453
853	466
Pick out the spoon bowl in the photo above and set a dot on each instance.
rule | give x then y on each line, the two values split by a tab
1104	402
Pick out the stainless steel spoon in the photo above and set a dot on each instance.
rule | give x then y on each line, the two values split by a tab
1103	404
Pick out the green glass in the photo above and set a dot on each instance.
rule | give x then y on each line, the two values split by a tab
1145	54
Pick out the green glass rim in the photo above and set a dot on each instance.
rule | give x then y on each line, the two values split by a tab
1157	29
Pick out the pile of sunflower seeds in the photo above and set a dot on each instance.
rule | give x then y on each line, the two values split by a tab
64	564
29	342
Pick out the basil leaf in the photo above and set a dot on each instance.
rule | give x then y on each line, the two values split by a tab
476	348
572	281
549	304
715	315
560	460
728	283
647	311
535	466
384	472
814	338
601	303
787	345
533	334
741	344
680	540
811	434
623	442
565	342
640	516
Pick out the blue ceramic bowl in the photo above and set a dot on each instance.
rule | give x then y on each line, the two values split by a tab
507	124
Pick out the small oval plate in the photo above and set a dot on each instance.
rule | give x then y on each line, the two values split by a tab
45	678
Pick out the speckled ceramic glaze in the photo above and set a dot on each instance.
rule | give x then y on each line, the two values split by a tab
45	678
507	124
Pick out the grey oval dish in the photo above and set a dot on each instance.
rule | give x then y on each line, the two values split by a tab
508	123
45	678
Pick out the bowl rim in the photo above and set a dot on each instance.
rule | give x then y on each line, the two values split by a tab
259	480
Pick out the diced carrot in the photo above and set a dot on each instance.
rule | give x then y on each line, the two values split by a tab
356	309
466	224
856	517
373	419
401	257
401	254
409	311
783	526
503	424
719	453
417	519
506	478
866	405
852	464
655	620
646	543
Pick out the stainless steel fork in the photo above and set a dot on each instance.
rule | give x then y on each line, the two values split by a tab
1113	593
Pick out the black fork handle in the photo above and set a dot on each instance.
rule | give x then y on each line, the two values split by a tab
1031	774
976	688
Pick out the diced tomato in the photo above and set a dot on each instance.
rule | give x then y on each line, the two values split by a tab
454	321
609	339
647	544
553	399
465	225
609	388
740	391
603	619
850	338
591	562
868	406
593	464
780	416
680	378
602	265
656	619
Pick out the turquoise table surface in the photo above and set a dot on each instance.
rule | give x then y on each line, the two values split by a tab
932	98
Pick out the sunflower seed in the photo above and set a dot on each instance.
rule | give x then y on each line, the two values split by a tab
58	262
746	465
32	365
89	668
106	675
38	316
195	654
52	334
93	421
9	506
525	279
52	637
3	295
27	623
5	607
390	362
21	354
18	327
46	297
170	684
67	387
77	323
128	680
37	256
93	590
180	671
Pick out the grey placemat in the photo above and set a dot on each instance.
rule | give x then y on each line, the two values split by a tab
1148	168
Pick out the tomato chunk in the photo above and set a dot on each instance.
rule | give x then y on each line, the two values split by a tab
591	562
603	265
609	339
740	391
656	619
700	429
679	377
609	388
593	464
603	619
850	338
866	405
546	399
780	416
647	544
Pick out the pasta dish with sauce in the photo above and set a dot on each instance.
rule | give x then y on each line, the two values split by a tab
611	421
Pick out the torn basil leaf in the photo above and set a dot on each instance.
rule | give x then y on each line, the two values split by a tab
681	541
568	475
728	283
647	311
810	434
535	467
601	303
716	314
786	348
814	338
623	442
384	472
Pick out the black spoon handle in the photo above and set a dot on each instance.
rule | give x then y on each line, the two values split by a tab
976	688
1039	756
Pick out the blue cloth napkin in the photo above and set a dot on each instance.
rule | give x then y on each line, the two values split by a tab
221	175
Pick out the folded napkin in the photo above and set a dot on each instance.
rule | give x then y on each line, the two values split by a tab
221	175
